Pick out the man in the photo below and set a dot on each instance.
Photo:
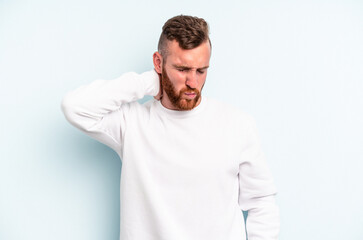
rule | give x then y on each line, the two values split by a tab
190	164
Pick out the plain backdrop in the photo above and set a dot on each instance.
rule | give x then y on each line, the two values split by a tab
296	66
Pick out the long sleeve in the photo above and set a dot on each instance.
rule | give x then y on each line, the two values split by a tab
257	189
99	109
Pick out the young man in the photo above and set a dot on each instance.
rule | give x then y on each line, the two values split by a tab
189	163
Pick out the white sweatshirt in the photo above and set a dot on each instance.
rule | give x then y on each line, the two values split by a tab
186	175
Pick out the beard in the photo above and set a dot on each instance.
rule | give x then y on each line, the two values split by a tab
176	98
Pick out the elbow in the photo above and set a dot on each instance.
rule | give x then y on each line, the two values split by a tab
76	113
69	108
259	201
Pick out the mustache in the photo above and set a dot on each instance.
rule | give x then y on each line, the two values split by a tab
189	90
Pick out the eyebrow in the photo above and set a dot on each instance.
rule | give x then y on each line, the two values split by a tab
186	67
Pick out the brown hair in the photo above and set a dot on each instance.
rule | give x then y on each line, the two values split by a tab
188	31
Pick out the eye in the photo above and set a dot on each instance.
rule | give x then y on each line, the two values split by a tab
181	69
200	71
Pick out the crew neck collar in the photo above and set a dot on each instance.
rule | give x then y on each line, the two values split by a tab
182	114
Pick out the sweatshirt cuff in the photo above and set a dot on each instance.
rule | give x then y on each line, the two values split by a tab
151	82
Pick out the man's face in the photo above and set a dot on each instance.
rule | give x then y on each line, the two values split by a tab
183	75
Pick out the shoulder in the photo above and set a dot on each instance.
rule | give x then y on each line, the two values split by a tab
230	116
144	107
228	110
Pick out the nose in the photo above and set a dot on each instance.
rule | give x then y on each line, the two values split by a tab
192	80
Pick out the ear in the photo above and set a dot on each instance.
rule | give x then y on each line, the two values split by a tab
158	62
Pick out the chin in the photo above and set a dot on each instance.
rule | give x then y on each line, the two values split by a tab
185	104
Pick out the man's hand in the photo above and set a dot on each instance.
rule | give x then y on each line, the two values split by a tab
159	96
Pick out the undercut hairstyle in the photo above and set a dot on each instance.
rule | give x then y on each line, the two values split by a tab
188	31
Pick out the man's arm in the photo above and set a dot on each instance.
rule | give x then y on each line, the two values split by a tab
257	189
99	109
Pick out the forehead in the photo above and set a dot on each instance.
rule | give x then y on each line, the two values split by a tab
196	57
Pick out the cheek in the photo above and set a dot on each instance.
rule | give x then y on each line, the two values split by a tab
178	79
202	80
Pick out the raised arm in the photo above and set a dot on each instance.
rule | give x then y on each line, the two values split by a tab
99	108
257	189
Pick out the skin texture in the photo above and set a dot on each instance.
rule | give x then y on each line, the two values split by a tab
182	75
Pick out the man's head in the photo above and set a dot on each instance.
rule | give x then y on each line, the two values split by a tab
182	60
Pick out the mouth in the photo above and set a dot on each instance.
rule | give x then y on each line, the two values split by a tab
190	95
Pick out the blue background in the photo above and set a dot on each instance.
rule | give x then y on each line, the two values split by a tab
296	66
